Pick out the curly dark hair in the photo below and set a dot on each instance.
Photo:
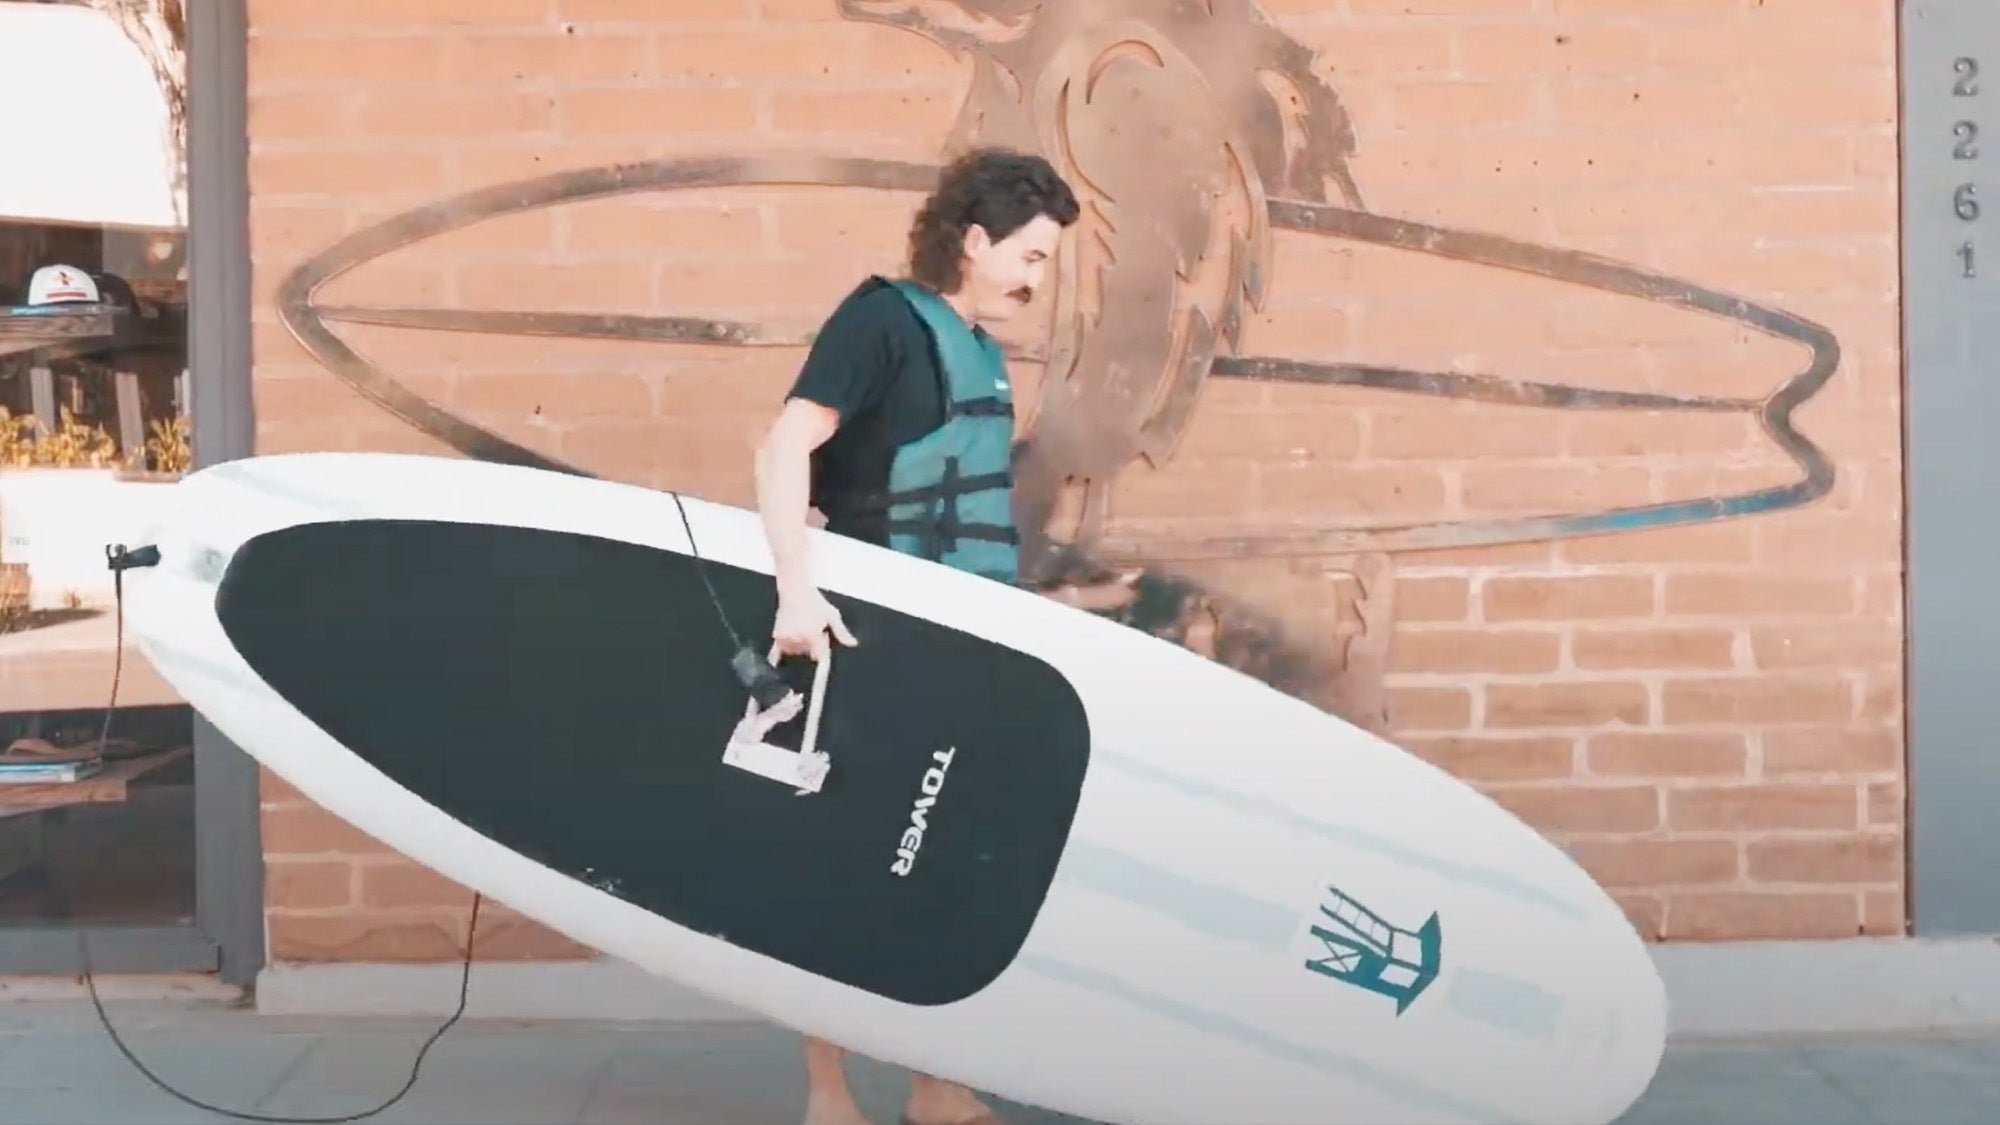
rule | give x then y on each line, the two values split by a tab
998	189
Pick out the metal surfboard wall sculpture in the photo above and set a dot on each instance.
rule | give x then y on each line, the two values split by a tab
308	322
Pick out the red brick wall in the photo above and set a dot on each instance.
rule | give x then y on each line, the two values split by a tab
1710	714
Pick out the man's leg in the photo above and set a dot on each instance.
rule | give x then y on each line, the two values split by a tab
933	1101
828	1099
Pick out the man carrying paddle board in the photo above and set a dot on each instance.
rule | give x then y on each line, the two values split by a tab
899	431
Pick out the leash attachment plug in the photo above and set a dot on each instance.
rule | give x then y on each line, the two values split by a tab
118	558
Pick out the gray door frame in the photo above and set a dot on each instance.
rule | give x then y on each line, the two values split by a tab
1950	127
227	936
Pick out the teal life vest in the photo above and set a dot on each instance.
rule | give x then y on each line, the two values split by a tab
950	493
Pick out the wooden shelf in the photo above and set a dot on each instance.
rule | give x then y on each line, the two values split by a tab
108	787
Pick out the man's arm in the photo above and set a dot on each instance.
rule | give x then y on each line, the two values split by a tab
784	486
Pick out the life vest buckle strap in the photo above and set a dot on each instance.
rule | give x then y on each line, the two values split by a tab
946	489
988	407
937	536
985	532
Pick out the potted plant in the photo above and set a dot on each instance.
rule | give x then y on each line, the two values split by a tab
65	494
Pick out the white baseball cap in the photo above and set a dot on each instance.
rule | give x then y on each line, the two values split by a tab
62	285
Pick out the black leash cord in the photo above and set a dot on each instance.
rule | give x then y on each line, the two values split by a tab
120	561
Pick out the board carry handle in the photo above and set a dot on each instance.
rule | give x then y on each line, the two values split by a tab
824	665
804	769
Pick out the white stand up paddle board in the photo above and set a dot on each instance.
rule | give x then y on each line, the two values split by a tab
1022	847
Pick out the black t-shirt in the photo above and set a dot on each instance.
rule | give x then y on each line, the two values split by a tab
875	364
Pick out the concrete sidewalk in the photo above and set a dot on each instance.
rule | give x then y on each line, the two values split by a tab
59	1067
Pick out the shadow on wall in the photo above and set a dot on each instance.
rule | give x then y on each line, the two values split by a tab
1258	144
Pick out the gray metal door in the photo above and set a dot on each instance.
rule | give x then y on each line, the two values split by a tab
1951	318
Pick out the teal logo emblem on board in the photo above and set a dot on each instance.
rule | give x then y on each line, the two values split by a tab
1354	945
